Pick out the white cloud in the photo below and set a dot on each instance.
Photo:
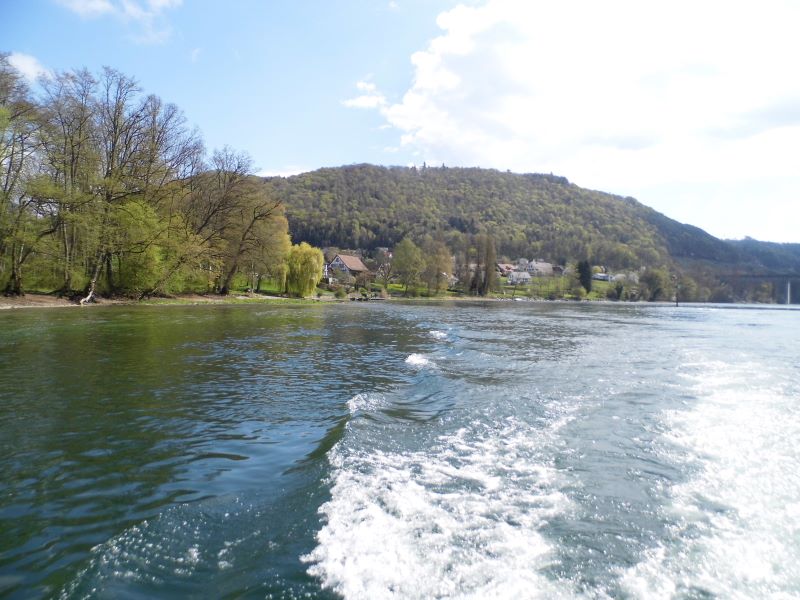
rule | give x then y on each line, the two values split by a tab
88	8
159	5
285	171
151	26
370	97
624	96
29	66
134	10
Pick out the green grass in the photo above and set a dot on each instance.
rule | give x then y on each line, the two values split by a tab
557	288
217	300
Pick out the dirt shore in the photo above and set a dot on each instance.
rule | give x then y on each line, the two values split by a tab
49	301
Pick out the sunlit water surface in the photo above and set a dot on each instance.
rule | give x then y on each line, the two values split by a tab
382	450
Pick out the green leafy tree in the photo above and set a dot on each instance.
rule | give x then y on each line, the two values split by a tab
484	275
273	248
490	271
304	269
257	229
584	269
408	262
656	284
137	251
438	266
384	267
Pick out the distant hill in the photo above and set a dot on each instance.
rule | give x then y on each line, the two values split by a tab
528	215
772	257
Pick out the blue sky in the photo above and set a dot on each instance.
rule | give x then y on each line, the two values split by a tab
692	108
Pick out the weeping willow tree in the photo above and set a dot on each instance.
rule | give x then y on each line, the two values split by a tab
304	269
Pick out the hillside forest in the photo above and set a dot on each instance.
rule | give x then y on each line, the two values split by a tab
105	189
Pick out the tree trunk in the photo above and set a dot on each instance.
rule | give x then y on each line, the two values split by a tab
14	285
109	273
226	284
66	288
93	283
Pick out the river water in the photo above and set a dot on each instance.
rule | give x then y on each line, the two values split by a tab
384	450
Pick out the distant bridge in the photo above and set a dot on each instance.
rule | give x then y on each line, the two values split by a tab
758	276
787	277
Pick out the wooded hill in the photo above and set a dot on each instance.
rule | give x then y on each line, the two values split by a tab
528	215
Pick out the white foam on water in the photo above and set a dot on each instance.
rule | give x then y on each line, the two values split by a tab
418	360
365	403
461	520
738	517
438	335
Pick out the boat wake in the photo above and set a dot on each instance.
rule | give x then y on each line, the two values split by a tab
461	519
738	516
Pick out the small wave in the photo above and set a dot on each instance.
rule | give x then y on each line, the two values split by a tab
364	402
461	520
438	335
179	545
418	360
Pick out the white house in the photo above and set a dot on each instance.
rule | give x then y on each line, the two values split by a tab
539	268
519	278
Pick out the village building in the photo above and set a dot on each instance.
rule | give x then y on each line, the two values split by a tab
626	277
347	264
505	268
539	268
519	278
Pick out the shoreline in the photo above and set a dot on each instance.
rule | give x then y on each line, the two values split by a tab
34	300
39	301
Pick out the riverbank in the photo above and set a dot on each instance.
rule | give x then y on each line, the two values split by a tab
32	300
50	301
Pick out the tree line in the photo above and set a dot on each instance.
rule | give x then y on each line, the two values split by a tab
106	189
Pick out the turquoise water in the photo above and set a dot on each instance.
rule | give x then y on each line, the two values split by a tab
501	450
